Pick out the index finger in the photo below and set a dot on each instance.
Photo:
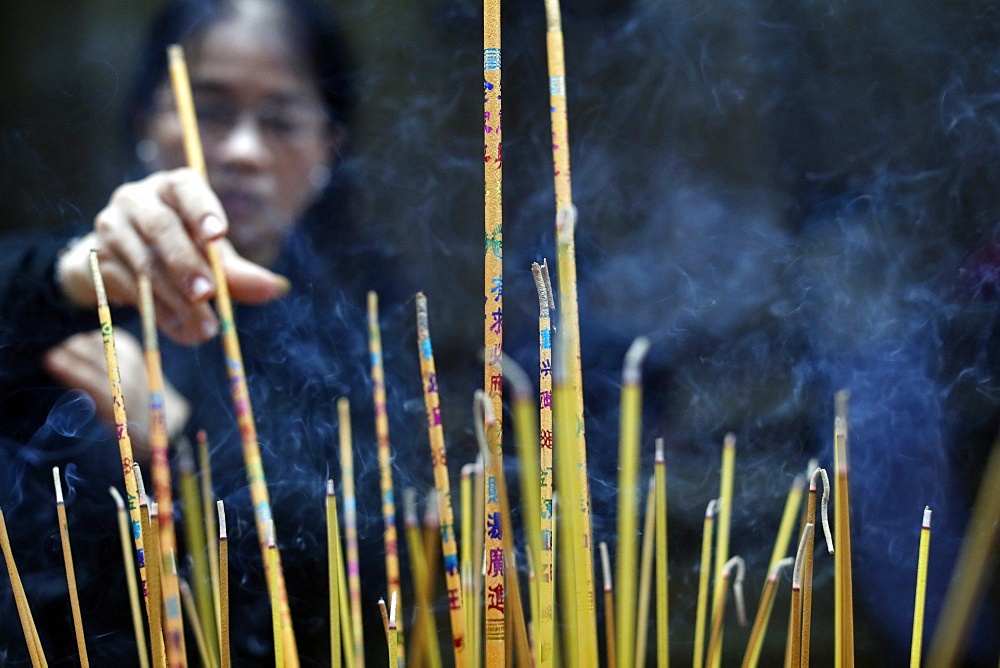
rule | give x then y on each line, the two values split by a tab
189	194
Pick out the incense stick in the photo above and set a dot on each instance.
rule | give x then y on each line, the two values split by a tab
351	528
630	433
916	642
756	641
468	600
167	544
346	625
394	653
224	653
384	612
279	642
843	596
74	599
478	572
333	576
788	516
21	599
646	573
197	540
807	565
435	434
191	610
544	622
133	590
230	342
725	518
793	648
155	598
722	584
423	649
212	541
609	607
389	537
703	580
662	579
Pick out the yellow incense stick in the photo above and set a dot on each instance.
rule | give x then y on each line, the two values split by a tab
121	421
158	444
351	528
230	342
212	540
155	597
333	576
752	654
279	642
468	601
609	607
394	653
479	559
718	614
725	519
224	655
646	573
74	599
916	641
197	541
346	625
544	622
435	433
703	580
662	579
972	567
389	538
23	609
424	649
628	492
788	517
133	590
843	597
191	610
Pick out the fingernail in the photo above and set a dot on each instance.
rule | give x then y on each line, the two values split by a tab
284	285
201	287
209	328
212	227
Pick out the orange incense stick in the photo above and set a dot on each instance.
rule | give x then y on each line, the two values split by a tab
121	420
384	612
807	565
21	599
351	528
609	606
793	647
169	589
722	584
389	537
703	581
231	345
74	599
752	654
646	573
546	586
133	591
224	656
435	433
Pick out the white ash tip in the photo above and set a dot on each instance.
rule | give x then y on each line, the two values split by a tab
58	484
221	507
329	487
116	495
927	518
632	369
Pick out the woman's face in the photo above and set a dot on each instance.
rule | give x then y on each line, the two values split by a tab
267	141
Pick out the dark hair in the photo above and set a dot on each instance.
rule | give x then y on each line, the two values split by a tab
314	32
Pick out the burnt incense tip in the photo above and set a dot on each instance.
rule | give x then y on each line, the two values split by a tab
467	470
329	487
787	562
632	369
711	509
432	511
95	272
804	543
658	451
185	457
221	508
116	495
729	441
140	485
392	611
58	484
566	224
605	565
410	507
926	524
270	534
154	509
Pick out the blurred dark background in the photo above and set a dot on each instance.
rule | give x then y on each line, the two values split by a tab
788	198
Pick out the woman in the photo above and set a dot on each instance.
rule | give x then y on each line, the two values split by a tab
273	91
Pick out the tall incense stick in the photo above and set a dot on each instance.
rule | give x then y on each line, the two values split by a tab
276	625
169	589
351	528
546	587
133	591
646	573
479	560
74	599
468	601
212	535
23	609
346	625
435	433
389	537
843	596
662	579
231	345
916	642
154	602
224	655
752	654
788	517
807	564
628	493
793	647
725	520
121	420
704	576
425	626
333	577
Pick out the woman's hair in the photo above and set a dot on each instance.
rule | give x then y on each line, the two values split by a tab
313	32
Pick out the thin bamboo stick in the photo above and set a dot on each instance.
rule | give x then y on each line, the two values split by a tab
133	591
74	598
703	581
23	609
916	641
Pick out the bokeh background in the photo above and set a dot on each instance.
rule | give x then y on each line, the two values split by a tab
788	198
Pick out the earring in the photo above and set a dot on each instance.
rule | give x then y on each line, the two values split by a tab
146	151
319	177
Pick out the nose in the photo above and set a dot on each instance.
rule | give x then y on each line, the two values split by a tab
243	146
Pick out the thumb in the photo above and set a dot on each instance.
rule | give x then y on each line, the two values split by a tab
249	282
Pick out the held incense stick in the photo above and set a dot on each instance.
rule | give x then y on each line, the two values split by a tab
155	599
211	532
21	600
224	655
628	492
351	528
646	573
703	580
662	580
435	434
389	538
133	591
169	590
230	343
121	420
752	654
715	641
74	599
609	606
916	641
546	585
333	576
725	520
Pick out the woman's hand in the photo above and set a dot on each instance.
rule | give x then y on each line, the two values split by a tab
161	225
79	362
